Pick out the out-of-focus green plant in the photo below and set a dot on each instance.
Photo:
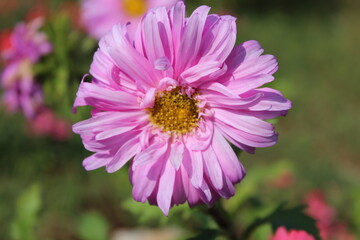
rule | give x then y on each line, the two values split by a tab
62	70
93	226
27	209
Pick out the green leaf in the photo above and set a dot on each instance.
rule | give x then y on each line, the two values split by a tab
290	218
26	217
93	226
293	218
208	234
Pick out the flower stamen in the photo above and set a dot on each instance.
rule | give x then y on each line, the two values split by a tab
134	8
174	111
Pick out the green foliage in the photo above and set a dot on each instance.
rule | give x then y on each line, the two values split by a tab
291	218
93	226
28	205
208	234
356	209
62	70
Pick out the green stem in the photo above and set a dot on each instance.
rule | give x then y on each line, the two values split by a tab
250	229
220	216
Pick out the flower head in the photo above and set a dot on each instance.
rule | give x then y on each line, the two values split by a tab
98	16
325	215
20	50
26	41
171	99
46	123
282	234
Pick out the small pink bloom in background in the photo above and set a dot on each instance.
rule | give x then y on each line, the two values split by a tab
5	40
20	50
27	42
99	16
171	99
321	211
325	216
47	124
282	234
284	180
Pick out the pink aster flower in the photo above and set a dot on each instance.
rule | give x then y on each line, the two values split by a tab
26	41
172	100
20	50
98	16
282	234
20	90
46	123
325	215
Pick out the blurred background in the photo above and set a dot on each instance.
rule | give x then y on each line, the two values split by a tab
46	194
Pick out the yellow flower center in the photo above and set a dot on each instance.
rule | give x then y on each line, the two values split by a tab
174	112
134	8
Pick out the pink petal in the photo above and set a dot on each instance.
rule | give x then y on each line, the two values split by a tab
152	153
243	85
191	40
177	20
193	164
212	167
96	160
124	154
100	121
219	40
176	154
179	195
113	132
166	188
246	138
106	99
272	100
249	124
202	73
144	179
221	101
218	89
130	61
202	136
228	160
157	38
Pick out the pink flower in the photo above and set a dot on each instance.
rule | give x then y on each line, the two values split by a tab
98	16
321	211
282	234
27	42
325	216
20	50
47	124
172	99
20	90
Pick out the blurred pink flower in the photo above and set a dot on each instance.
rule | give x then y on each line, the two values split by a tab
47	124
282	234
325	216
323	213
99	16
20	50
172	99
284	180
27	42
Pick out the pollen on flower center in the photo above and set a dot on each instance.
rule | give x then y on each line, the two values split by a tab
134	8
174	112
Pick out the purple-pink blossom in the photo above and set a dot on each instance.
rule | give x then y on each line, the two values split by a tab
22	49
98	16
172	100
282	234
46	123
